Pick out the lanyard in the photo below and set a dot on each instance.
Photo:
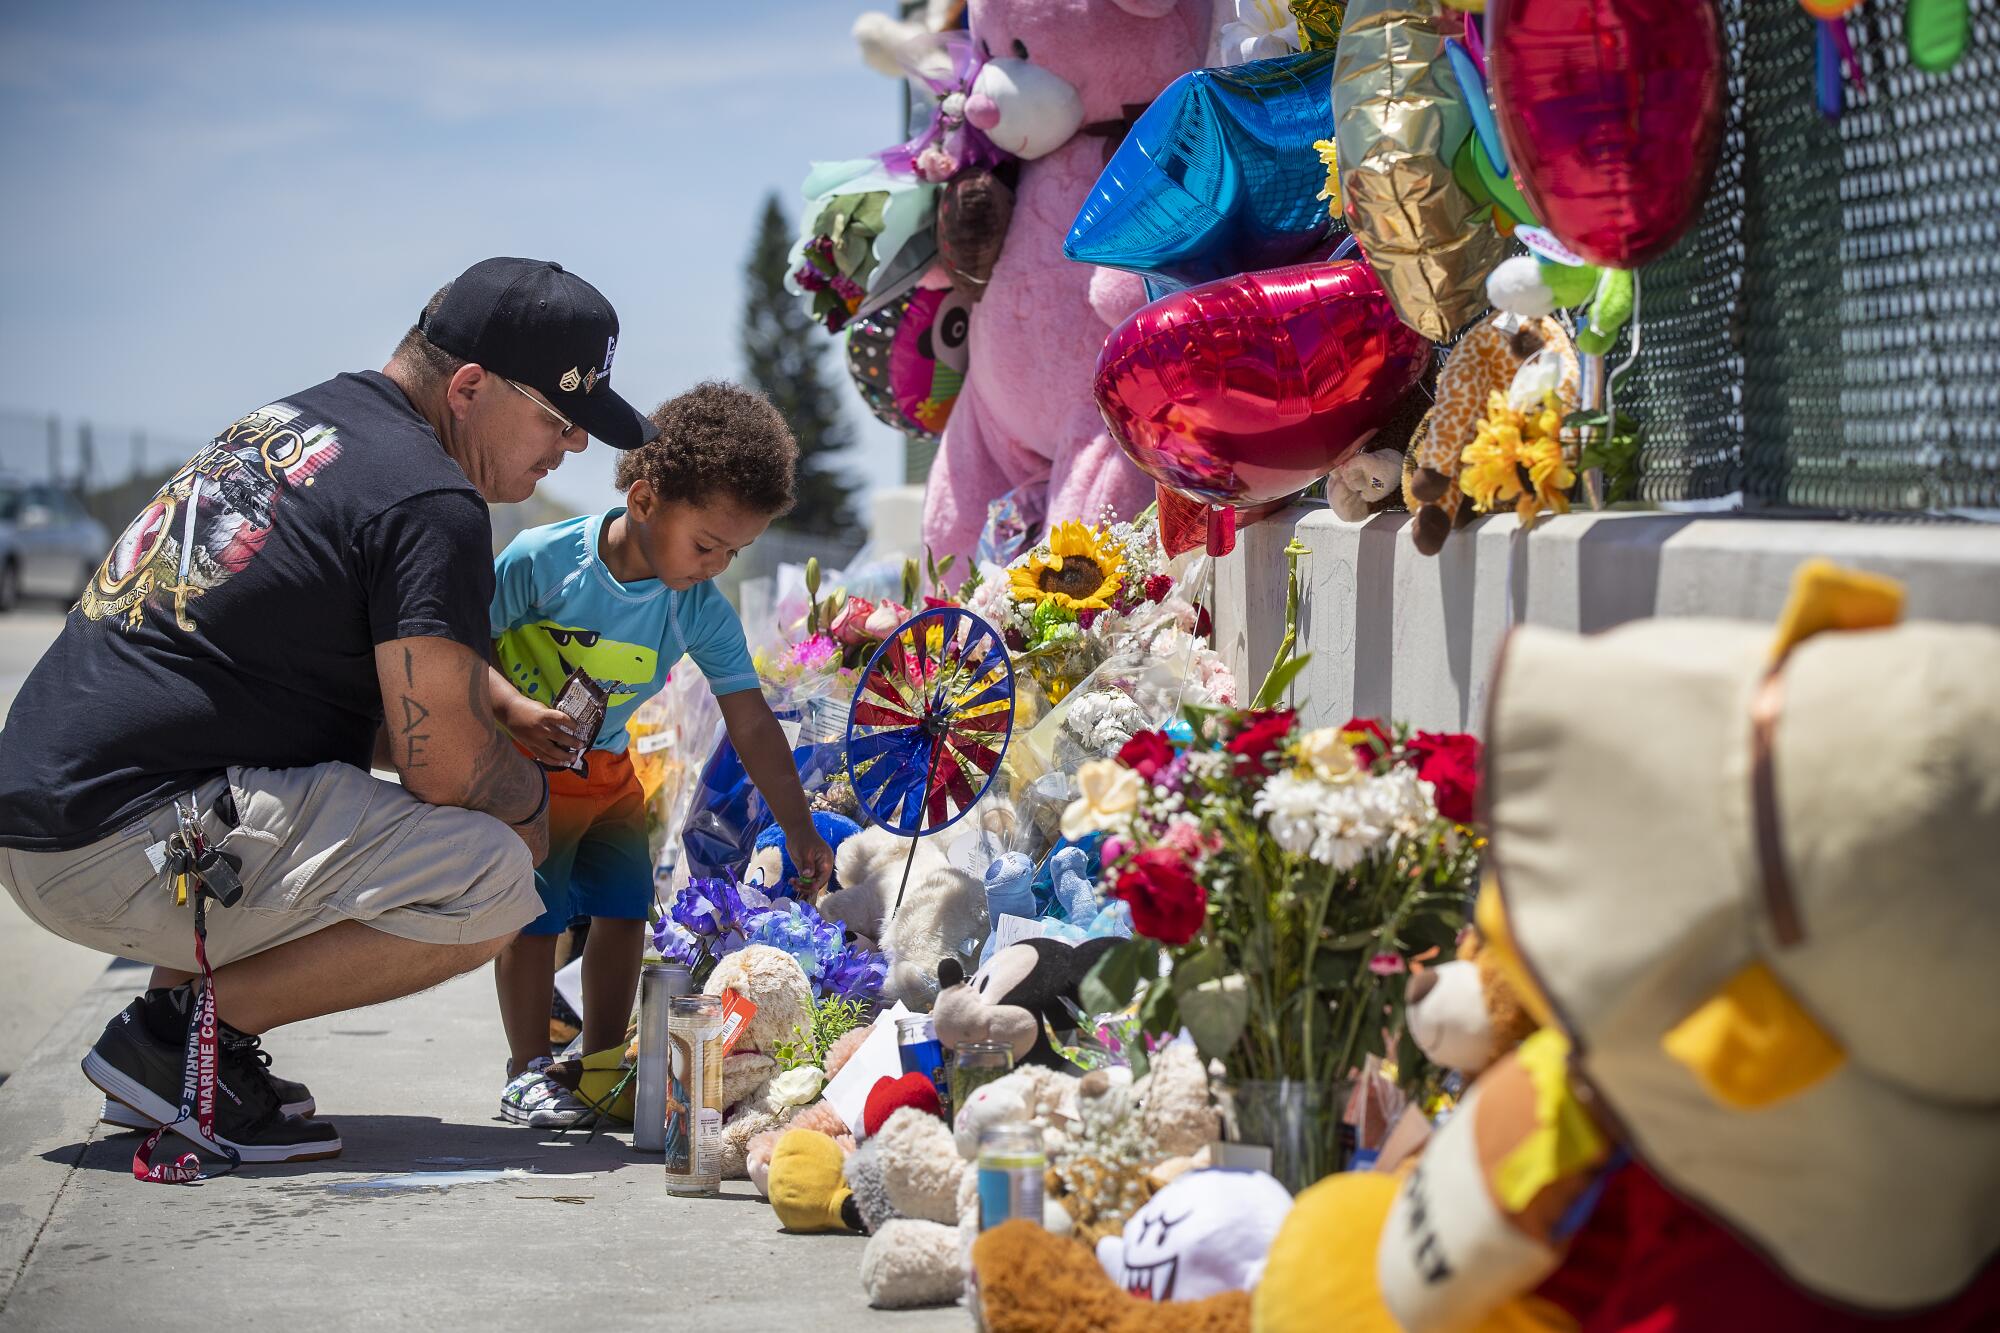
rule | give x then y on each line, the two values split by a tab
202	1051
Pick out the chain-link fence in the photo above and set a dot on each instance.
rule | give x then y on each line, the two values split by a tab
1828	336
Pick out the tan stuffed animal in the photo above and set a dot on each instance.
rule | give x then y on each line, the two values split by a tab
1464	1014
777	985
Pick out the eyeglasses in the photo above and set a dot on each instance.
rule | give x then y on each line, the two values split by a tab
568	426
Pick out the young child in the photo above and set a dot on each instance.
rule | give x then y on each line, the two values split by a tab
621	596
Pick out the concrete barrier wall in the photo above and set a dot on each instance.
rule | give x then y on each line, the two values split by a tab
1398	634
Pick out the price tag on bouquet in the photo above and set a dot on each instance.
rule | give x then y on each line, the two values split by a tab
584	701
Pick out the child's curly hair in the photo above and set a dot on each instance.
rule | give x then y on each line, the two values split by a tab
717	438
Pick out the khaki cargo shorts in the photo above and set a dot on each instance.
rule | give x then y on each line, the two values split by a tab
318	846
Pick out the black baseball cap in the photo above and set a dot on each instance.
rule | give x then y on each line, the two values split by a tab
530	321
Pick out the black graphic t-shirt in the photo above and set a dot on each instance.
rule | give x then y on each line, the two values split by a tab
235	620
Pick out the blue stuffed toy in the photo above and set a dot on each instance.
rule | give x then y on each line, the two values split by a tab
1061	899
771	867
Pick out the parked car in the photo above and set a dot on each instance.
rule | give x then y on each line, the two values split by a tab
49	547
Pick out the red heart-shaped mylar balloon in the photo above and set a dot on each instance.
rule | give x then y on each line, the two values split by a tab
1252	387
1611	111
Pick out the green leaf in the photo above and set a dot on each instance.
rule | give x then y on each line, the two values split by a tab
1159	1012
1281	678
1208	965
1110	985
1332	971
1215	1013
1048	615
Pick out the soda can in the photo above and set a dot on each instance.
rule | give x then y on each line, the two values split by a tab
691	1140
922	1053
658	983
1011	1167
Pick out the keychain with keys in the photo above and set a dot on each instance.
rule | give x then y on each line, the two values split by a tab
180	869
194	865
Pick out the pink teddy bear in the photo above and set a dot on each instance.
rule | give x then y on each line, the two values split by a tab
1061	79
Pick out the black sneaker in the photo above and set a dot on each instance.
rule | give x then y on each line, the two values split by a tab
293	1099
139	1061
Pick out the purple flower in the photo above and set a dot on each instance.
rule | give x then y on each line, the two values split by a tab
674	943
854	974
810	278
818	946
709	908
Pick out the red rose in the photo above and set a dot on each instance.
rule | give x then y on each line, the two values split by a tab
1204	624
1157	588
1147	753
1450	762
1016	641
1255	744
1369	740
1168	903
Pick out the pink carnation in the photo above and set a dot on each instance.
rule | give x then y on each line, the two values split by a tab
1387	964
1184	836
813	653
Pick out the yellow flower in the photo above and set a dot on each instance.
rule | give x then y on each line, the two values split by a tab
1518	459
1330	758
1489	467
1110	793
1082	571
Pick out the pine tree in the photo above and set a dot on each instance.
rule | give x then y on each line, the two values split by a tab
783	354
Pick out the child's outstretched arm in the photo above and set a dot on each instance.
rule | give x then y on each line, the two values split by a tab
545	733
767	757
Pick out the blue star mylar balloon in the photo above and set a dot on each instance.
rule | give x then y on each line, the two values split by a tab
1218	176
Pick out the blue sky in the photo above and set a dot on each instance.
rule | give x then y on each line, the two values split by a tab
209	205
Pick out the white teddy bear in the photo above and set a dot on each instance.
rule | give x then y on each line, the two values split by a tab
943	912
929	1178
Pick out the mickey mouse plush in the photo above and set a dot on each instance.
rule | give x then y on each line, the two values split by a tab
1015	997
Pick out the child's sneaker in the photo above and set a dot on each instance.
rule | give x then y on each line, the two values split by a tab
528	1090
561	1109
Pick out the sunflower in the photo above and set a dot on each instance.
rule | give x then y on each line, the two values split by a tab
1082	571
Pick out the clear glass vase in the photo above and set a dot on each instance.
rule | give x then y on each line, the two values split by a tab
1298	1122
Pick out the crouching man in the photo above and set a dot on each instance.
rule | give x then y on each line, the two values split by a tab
308	594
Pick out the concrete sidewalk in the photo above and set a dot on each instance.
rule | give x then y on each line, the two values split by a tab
590	1240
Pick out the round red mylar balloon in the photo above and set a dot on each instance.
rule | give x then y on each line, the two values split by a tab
1611	111
1252	387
